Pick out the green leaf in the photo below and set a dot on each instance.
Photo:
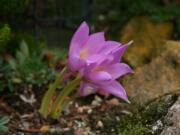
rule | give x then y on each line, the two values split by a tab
61	99
4	129
4	120
20	57
24	48
49	94
12	63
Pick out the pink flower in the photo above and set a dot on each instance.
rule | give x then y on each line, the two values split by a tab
98	61
101	77
85	48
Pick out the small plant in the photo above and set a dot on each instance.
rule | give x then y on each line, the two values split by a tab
26	67
5	36
95	65
3	122
29	67
5	74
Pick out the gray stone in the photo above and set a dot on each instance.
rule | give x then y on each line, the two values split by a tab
172	119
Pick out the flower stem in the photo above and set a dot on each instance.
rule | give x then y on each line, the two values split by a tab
49	94
59	102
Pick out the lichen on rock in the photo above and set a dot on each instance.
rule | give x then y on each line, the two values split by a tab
143	120
172	120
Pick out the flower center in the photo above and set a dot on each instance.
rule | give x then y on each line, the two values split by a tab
99	68
83	53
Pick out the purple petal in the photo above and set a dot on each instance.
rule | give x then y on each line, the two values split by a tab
75	62
113	43
95	42
116	89
119	53
79	38
119	69
100	77
110	46
99	58
81	35
86	89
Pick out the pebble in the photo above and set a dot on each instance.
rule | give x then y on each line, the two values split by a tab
100	124
114	101
117	118
158	125
90	111
79	124
76	105
80	110
97	98
95	103
26	125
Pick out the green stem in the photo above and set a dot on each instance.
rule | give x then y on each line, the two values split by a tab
49	94
58	104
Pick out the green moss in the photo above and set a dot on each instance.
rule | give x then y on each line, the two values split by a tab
140	122
157	109
132	125
138	129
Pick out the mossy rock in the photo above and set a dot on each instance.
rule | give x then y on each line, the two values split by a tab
142	119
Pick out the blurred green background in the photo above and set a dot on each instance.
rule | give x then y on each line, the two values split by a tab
53	21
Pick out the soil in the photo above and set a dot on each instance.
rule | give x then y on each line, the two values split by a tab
83	115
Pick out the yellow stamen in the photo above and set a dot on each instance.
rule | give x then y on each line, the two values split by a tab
83	53
99	68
